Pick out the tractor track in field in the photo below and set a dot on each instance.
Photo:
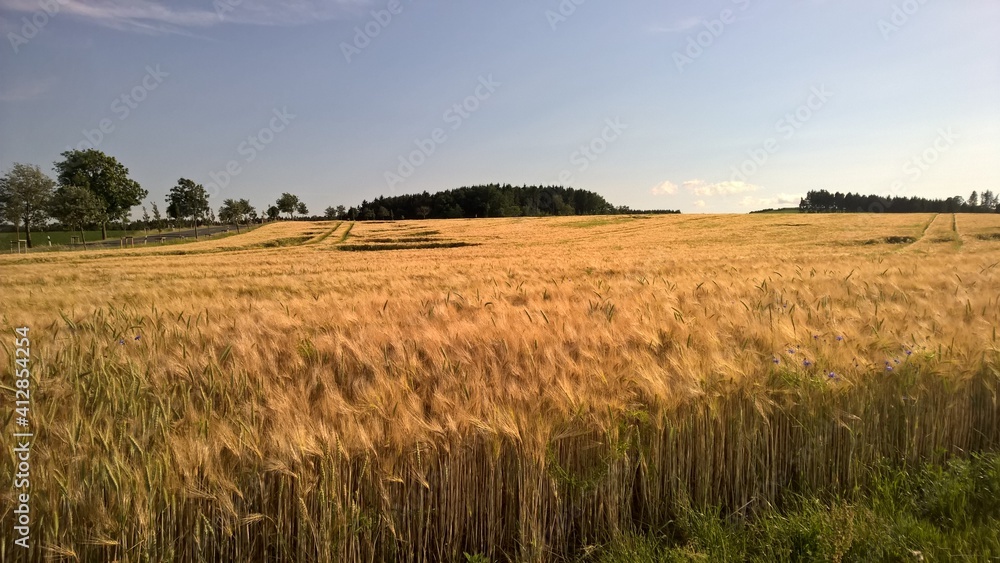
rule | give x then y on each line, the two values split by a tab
320	238
334	237
954	230
941	229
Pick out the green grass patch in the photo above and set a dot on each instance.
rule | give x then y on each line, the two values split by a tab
41	238
401	240
346	234
889	240
141	241
602	221
282	242
931	513
422	233
417	246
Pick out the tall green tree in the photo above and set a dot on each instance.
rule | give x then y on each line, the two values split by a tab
273	212
157	218
301	208
106	177
76	207
188	199
288	203
236	211
24	196
988	200
6	215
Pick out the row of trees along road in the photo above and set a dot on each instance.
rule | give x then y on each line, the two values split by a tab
95	189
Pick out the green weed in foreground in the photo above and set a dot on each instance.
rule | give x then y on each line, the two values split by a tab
933	513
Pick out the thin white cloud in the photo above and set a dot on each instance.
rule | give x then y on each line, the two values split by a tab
680	26
25	90
134	15
778	200
705	189
268	12
158	17
664	188
699	203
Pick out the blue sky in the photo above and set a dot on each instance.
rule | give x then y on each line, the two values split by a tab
712	106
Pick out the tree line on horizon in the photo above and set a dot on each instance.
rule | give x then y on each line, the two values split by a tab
93	189
490	200
822	201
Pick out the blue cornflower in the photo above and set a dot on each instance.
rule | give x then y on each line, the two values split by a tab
840	338
832	375
791	350
888	367
909	352
816	337
122	341
777	361
806	363
138	336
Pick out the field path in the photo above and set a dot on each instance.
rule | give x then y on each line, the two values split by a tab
335	236
322	237
959	238
938	232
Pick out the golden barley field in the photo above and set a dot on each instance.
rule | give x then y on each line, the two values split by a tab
516	388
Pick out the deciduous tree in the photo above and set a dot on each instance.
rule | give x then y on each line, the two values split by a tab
24	196
157	218
235	211
288	203
107	178
76	207
188	199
